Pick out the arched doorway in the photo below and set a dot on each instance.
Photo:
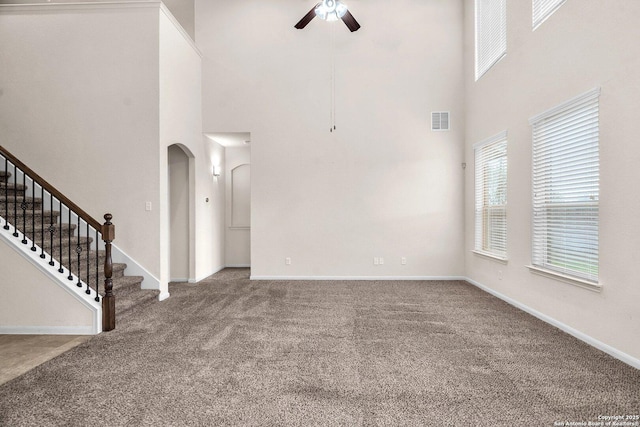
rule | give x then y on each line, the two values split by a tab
180	213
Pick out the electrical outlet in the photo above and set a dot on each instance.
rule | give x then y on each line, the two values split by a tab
147	206
499	274
287	261
403	261
376	261
381	261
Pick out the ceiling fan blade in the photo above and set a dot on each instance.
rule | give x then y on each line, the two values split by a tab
307	18
350	22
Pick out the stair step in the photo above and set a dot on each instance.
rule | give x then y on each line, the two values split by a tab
18	208
7	203
65	229
39	217
10	188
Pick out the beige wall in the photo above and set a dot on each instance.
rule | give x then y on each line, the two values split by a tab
181	123
51	307
585	44
82	111
95	119
383	184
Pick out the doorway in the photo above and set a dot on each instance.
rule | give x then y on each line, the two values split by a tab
179	214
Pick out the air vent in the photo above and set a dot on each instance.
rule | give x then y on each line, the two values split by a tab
440	120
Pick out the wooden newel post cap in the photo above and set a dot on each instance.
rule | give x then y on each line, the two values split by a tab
108	229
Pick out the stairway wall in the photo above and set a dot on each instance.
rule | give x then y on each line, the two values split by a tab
91	96
51	308
79	104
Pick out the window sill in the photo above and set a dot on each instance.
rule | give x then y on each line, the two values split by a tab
491	256
595	287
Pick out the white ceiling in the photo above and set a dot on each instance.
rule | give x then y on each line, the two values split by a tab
230	139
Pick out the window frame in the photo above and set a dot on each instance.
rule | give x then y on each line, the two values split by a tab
540	13
489	154
490	34
565	208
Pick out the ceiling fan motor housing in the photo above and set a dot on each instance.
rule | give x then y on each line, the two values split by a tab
330	10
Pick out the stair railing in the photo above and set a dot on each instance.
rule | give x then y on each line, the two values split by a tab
44	230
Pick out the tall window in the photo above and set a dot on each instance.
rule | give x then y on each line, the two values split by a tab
566	188
542	9
491	34
491	196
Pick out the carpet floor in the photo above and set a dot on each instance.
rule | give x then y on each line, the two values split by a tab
229	351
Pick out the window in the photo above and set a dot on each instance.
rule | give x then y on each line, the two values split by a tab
566	188
542	9
491	196
491	34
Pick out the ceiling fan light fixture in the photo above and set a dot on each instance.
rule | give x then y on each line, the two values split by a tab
330	10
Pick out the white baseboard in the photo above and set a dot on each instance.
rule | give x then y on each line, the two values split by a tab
237	266
624	357
149	281
364	278
199	278
47	330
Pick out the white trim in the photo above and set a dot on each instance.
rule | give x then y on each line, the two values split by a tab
237	266
54	7
587	96
47	330
179	279
546	15
495	138
149	281
491	256
163	296
180	28
624	357
595	287
215	270
69	286
365	278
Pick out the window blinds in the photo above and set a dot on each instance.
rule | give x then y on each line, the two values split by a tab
542	9
491	33
491	196
566	188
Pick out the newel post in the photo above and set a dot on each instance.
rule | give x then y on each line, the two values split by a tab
109	300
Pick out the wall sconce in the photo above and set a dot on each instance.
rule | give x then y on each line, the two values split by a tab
216	171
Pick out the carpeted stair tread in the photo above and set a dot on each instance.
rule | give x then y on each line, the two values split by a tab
37	224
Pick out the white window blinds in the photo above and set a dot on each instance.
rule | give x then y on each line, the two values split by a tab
491	33
542	9
566	188
491	196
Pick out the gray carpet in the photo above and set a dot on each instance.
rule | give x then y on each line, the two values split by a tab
229	351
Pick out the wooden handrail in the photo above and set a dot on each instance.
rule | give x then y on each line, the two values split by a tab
52	190
107	230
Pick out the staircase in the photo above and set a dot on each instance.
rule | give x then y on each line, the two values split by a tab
68	249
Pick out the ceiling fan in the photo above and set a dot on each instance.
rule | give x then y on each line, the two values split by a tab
330	10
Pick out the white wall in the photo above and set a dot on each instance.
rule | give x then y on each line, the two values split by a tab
50	309
383	184
93	106
79	105
181	123
237	236
582	46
